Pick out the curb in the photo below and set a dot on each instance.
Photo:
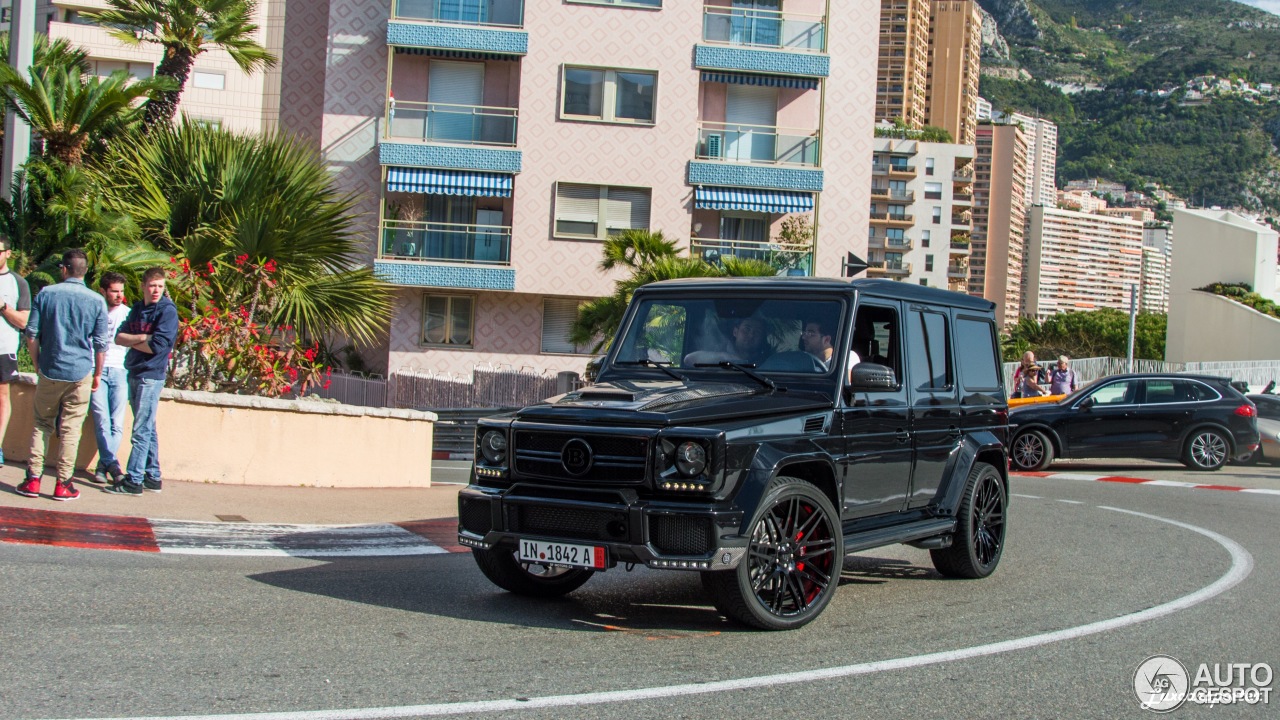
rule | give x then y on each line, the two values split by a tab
1142	481
447	455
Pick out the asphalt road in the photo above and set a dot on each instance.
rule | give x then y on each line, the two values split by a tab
1096	578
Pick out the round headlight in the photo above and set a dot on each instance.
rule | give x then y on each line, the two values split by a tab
691	459
493	446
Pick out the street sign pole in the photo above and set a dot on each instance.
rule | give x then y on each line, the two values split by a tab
17	134
1133	323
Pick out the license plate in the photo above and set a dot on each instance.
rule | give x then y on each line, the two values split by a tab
555	553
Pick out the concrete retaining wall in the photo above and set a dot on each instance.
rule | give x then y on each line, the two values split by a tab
242	440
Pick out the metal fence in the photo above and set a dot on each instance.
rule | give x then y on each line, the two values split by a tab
355	389
1253	372
485	388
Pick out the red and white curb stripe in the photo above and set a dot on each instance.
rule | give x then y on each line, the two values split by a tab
1142	481
109	532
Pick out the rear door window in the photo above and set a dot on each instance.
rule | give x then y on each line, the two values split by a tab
976	356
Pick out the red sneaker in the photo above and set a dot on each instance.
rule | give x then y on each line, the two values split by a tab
65	491
29	487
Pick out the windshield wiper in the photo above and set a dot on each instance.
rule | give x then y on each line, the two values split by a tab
660	364
744	369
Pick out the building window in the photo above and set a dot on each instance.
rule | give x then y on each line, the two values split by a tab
448	320
928	263
933	191
208	123
928	166
624	96
925	237
924	281
104	68
558	316
620	3
597	211
208	80
937	216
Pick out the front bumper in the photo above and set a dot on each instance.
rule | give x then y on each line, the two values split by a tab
665	535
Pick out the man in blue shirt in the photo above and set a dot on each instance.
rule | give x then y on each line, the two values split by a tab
67	339
149	332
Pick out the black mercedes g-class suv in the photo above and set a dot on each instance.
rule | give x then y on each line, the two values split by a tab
755	430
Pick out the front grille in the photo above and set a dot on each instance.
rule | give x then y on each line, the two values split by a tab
562	522
475	516
681	534
617	459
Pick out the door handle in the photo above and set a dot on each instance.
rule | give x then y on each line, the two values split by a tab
953	431
902	436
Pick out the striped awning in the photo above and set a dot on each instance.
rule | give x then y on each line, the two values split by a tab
778	202
799	83
430	181
454	54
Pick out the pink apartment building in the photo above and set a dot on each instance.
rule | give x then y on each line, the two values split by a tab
494	145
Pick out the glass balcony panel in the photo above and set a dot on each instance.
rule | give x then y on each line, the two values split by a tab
441	122
789	260
764	28
759	144
508	13
446	242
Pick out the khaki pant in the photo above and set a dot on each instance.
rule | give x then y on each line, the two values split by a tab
71	399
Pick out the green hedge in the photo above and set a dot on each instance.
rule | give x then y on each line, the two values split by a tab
1243	293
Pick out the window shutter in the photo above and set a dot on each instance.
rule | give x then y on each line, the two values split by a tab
557	320
627	209
578	203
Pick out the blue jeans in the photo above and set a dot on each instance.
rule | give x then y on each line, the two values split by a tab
144	458
107	407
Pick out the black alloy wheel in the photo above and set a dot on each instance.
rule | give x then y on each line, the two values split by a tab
1206	449
1031	451
793	560
978	542
532	579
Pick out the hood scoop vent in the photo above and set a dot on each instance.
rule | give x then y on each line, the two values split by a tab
815	424
609	395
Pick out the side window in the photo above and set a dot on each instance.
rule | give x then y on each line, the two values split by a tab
976	354
876	337
1116	393
1163	391
929	366
1268	409
1197	391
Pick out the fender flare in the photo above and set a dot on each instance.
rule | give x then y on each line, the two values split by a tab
977	445
771	460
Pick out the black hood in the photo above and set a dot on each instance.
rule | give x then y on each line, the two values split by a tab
670	402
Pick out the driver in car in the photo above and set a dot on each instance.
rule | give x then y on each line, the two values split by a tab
750	345
816	340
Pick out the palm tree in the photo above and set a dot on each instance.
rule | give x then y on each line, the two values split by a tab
185	28
56	53
649	257
262	214
71	111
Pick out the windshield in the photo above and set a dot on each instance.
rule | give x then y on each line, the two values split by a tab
714	334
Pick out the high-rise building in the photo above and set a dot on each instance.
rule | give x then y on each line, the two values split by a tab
1157	264
1080	261
999	214
902	76
1042	157
921	211
955	44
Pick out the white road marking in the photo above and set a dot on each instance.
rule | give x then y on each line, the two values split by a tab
1261	490
1070	502
184	537
1029	497
1241	567
1170	483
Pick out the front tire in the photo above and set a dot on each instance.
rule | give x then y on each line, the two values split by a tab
532	579
1207	449
793	560
980	529
1031	451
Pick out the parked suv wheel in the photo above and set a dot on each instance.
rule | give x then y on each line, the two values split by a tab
1206	449
1031	451
979	540
793	561
533	579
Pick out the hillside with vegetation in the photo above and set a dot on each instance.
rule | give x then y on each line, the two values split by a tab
1143	101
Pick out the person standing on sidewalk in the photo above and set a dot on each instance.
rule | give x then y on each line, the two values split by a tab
67	339
15	306
107	405
149	332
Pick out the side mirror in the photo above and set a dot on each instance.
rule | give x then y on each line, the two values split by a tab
1087	403
869	376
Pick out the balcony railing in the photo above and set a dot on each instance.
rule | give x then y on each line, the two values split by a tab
893	168
902	244
893	218
903	195
896	267
758	144
446	242
958	272
764	29
788	259
442	122
962	174
506	13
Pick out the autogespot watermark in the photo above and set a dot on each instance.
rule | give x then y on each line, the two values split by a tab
1163	684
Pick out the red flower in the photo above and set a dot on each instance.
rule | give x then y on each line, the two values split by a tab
270	267
211	268
242	259
310	354
327	383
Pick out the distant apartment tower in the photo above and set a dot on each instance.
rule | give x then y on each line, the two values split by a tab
1157	266
1080	261
921	212
955	44
902	75
999	215
1080	200
983	111
217	92
1042	157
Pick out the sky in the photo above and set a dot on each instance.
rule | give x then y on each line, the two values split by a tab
1272	6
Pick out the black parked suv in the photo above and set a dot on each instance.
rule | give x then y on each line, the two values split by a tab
756	430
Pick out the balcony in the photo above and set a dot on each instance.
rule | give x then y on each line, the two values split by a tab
886	267
454	124
757	144
788	259
964	174
902	244
446	242
767	29
957	272
893	169
491	26
893	218
897	195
